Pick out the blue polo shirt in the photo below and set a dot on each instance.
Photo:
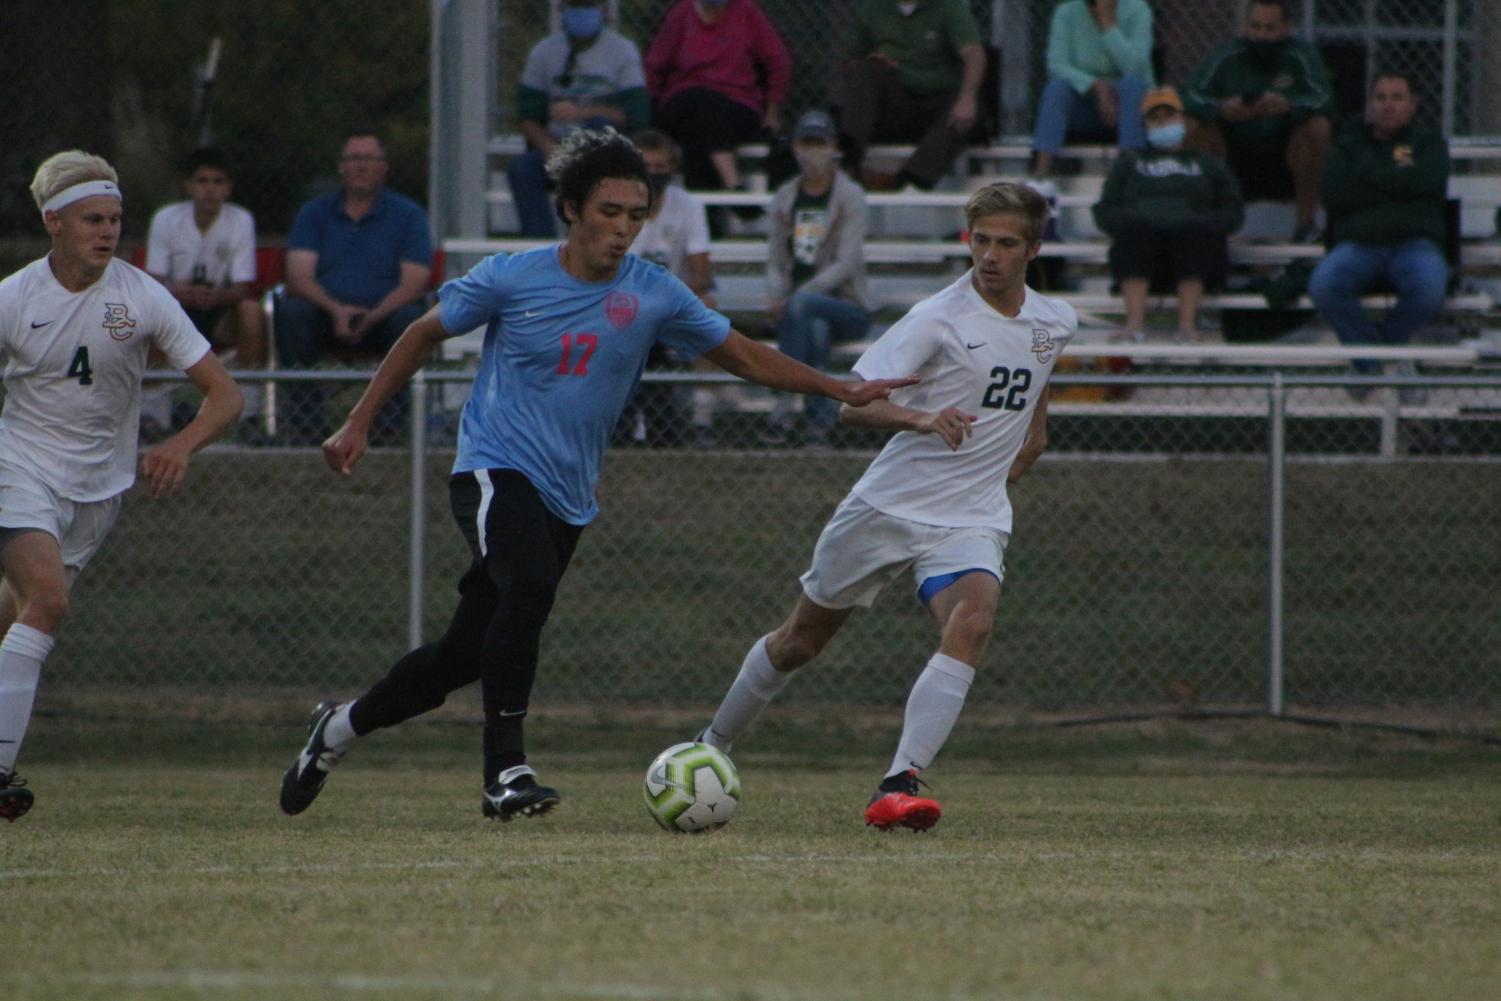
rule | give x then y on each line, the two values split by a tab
561	358
359	263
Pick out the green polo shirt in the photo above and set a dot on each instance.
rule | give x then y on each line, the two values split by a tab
925	43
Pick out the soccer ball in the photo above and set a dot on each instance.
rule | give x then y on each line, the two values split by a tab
691	788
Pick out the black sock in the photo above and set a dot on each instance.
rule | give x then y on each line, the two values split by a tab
504	744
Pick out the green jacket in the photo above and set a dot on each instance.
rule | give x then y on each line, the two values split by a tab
1231	70
1387	192
925	43
1167	190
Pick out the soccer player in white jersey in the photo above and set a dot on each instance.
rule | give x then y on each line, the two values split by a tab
75	330
933	503
568	328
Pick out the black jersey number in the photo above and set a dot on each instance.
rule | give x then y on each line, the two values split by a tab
80	367
1006	393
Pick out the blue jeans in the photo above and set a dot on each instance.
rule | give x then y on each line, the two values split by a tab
1063	110
1416	269
811	324
528	176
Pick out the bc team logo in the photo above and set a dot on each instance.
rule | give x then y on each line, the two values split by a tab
117	320
620	309
1042	345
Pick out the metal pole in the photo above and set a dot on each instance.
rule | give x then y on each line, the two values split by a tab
1277	459
417	543
1451	45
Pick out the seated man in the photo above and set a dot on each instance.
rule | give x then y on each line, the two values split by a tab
585	76
815	268
676	236
1169	211
203	250
1099	68
1385	190
358	263
1263	103
912	74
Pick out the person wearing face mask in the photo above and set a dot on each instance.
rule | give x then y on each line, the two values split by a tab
1264	104
586	76
676	236
912	74
718	73
1169	210
1099	62
815	268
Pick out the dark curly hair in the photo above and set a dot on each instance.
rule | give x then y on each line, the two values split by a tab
580	162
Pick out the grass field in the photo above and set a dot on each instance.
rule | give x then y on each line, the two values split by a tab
1163	861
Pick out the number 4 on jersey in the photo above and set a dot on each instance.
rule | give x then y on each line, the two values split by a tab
80	368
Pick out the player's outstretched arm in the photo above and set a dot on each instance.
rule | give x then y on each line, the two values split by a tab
165	466
1036	441
765	366
411	350
951	424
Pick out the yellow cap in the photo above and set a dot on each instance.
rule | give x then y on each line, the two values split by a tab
1161	97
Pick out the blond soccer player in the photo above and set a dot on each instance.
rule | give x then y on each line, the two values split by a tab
75	330
933	503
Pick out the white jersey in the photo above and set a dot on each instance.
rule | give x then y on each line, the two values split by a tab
73	364
178	250
968	356
680	230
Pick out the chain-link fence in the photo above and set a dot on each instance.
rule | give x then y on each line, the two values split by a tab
1185	537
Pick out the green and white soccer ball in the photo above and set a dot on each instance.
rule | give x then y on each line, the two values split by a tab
692	788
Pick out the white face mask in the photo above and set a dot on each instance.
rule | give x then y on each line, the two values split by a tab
814	161
906	8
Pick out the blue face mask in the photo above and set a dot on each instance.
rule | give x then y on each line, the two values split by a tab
1166	136
583	23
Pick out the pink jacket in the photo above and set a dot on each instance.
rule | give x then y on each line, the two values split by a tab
726	56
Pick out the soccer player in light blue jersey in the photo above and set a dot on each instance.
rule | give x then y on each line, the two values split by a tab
568	330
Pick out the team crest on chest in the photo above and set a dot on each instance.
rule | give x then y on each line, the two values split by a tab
1042	345
117	320
620	309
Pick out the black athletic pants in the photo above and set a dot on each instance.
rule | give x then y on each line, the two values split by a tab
521	550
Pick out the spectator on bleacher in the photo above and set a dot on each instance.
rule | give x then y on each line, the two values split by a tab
1099	68
912	74
1263	103
1169	210
358	264
815	268
676	236
203	251
586	76
1385	190
719	74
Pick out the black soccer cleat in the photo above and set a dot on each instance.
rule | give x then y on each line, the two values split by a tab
15	798
517	794
304	780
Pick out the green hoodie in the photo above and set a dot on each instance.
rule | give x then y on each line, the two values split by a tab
1296	71
1168	189
1385	192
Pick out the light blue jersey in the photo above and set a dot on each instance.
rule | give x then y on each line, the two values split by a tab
561	358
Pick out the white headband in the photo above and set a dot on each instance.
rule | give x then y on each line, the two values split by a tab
78	192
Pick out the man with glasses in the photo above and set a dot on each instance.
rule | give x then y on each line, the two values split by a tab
358	264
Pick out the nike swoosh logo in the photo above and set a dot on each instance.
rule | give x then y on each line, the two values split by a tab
509	713
35	326
529	314
973	346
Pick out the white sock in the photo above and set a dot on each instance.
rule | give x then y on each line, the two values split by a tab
254	394
932	707
756	684
339	735
21	655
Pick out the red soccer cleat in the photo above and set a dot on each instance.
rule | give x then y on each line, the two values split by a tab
902	807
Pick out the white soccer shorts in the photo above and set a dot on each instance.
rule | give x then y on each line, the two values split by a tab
78	526
862	550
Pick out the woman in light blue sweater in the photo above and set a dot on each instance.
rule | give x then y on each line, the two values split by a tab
1099	61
